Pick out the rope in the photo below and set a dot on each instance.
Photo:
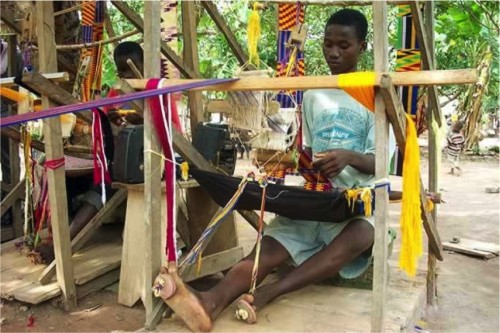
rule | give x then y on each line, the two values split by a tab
258	245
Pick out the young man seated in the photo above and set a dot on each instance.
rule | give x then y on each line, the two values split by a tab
341	135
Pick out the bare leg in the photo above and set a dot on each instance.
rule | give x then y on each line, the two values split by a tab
81	219
210	304
356	238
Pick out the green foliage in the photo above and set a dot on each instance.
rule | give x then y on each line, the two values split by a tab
465	31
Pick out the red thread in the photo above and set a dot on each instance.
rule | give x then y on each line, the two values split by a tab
55	163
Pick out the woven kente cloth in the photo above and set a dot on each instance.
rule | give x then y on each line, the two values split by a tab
169	32
288	17
408	58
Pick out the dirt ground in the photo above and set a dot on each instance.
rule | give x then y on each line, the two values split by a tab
468	287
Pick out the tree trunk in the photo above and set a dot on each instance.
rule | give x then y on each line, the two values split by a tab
471	108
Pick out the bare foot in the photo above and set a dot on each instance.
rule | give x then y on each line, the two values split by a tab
170	287
245	310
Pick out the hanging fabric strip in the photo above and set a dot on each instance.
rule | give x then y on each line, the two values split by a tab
289	15
162	120
58	110
408	58
101	171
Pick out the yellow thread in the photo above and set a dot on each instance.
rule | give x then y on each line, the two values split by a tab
359	85
366	197
411	221
184	170
429	205
253	35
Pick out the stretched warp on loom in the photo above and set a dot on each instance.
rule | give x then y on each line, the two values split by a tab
58	110
291	202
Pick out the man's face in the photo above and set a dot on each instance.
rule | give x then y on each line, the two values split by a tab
342	48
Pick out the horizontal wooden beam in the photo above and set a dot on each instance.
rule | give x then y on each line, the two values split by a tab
441	77
55	77
56	94
395	113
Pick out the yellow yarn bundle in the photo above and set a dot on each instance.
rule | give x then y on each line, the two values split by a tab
365	194
253	31
411	220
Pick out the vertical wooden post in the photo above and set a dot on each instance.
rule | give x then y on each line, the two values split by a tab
191	60
201	207
433	155
54	150
381	171
15	170
152	162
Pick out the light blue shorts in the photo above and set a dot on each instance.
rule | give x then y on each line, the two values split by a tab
302	239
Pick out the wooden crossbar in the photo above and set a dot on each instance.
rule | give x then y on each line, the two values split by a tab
55	77
436	77
396	115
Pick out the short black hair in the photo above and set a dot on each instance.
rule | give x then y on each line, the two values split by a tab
350	17
128	50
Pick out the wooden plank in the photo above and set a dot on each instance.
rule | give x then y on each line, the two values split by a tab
53	77
54	151
97	259
140	187
14	195
395	111
137	21
380	267
214	263
435	77
152	173
219	21
219	106
468	249
434	160
427	56
56	94
393	104
86	233
98	283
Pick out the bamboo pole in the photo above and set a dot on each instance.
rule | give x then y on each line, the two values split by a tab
102	42
436	77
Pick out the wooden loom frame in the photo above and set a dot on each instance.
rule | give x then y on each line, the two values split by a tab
386	99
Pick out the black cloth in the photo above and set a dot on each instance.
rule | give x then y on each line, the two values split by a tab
288	201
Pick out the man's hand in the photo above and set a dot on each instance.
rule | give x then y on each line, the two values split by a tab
332	162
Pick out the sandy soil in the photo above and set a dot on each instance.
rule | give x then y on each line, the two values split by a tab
468	287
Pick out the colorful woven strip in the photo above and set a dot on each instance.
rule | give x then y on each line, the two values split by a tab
408	59
58	110
169	32
289	15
